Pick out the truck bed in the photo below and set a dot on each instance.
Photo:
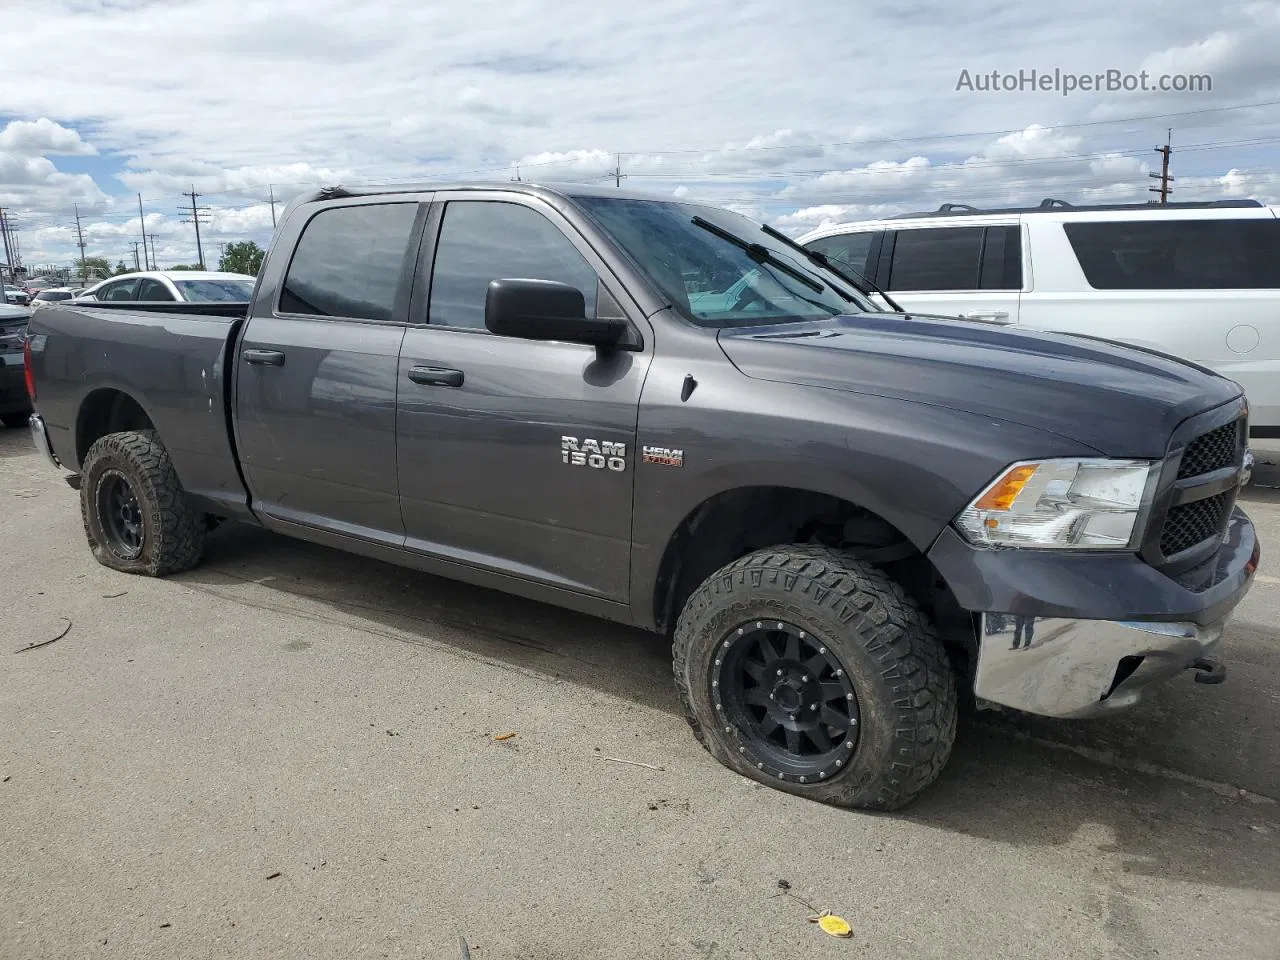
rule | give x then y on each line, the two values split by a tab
171	358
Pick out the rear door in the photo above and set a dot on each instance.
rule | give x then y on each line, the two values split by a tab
517	456
973	271
316	370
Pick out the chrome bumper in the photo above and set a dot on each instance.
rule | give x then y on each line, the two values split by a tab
40	437
1081	668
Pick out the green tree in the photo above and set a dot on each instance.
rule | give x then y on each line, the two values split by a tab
185	266
92	267
121	268
243	257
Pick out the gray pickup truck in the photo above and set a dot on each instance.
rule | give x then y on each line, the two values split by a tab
848	520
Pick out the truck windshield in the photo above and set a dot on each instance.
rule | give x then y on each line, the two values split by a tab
216	291
712	276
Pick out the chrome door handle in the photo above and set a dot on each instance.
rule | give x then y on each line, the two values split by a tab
264	358
989	316
436	376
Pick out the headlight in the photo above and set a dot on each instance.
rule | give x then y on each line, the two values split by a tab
1063	504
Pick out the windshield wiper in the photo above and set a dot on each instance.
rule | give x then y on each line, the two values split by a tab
866	287
762	254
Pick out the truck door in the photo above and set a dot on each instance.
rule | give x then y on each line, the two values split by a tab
973	272
515	455
316	370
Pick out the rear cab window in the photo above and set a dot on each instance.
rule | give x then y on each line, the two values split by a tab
349	261
1217	254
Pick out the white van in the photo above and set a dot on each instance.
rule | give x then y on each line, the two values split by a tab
1196	280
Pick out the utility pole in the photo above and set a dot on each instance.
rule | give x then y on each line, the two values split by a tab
1163	176
199	215
136	265
8	252
84	279
617	170
142	224
272	188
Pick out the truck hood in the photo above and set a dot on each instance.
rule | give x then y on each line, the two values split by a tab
1120	400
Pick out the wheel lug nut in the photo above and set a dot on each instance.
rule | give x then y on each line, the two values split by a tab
805	678
822	649
848	696
779	673
839	673
813	706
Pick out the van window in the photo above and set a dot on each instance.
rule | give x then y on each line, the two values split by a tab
847	250
939	258
1178	254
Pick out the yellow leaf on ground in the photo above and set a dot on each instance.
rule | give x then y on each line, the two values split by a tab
836	926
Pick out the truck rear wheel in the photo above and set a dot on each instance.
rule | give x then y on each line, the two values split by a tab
811	671
137	517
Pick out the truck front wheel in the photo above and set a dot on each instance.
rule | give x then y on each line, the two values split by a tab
137	517
811	671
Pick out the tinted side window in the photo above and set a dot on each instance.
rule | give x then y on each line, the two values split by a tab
483	240
1178	254
942	258
348	262
847	250
1002	259
153	290
124	290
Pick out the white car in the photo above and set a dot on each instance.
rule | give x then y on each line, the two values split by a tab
52	295
1199	281
167	286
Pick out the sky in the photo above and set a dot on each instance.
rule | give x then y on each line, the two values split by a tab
795	114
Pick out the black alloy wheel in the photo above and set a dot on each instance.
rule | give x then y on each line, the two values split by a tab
789	698
120	514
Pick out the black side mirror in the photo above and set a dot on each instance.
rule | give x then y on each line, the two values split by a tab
546	310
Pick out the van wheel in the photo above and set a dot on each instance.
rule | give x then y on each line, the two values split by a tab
809	670
137	517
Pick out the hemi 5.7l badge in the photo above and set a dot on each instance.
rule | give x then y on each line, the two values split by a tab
664	456
597	454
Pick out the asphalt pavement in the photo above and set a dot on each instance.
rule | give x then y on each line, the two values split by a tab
293	752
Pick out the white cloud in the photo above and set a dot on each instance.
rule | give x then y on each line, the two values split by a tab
777	113
25	138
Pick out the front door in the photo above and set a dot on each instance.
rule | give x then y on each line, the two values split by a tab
317	373
516	456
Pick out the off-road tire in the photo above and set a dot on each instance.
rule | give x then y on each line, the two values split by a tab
903	680
174	530
15	420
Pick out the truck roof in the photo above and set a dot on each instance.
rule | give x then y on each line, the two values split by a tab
337	191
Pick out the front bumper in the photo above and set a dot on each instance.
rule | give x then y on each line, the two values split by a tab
1082	668
1094	631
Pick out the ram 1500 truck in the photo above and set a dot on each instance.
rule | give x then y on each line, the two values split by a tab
667	415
